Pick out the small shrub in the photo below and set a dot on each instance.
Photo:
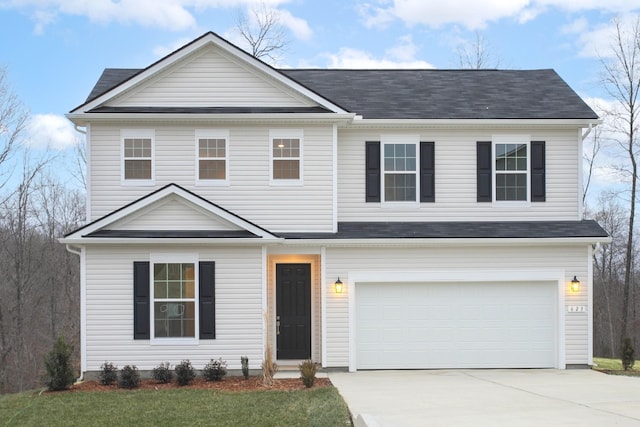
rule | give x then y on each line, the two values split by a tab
162	373
244	361
108	373
308	370
627	354
215	370
129	377
60	374
184	373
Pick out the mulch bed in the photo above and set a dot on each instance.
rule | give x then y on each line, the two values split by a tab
227	384
629	373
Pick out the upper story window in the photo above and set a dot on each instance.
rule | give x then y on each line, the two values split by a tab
286	156
400	172
137	156
212	156
511	172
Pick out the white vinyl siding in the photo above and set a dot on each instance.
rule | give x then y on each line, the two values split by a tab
210	78
307	207
109	322
172	214
455	179
471	262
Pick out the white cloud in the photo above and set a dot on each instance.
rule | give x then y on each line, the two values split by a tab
477	14
578	26
51	131
355	58
298	26
166	14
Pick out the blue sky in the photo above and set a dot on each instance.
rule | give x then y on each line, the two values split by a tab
54	50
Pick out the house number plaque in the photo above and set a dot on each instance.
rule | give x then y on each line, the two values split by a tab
576	309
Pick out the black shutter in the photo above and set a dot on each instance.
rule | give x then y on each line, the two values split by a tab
484	171
141	286
427	172
372	167
538	191
207	273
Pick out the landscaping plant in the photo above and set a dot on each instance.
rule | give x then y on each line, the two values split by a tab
627	354
60	374
162	373
185	373
129	377
308	370
244	361
108	373
215	370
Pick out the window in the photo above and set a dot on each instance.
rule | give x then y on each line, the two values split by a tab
137	156
212	152
286	156
174	300
511	171
399	172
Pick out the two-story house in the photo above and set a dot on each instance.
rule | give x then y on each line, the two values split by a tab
367	219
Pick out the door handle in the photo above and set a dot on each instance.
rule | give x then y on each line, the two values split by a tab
277	325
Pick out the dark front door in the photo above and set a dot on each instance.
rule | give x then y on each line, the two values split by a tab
293	311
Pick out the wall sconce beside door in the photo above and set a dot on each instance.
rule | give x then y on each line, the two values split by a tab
575	285
338	286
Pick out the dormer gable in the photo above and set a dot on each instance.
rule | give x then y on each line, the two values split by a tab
170	212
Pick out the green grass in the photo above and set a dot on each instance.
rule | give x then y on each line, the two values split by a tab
192	407
612	365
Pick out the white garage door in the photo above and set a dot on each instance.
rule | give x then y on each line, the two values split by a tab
456	325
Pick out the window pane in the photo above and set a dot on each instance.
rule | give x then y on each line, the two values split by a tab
173	271
400	187
212	169
160	289
511	186
211	148
286	169
137	169
174	319
286	147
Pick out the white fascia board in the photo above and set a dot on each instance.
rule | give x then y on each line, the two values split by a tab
82	119
473	123
220	43
468	242
157	196
190	241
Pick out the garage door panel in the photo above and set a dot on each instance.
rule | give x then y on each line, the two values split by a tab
448	325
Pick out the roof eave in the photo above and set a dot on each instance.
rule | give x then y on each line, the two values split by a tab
360	122
494	241
83	241
82	119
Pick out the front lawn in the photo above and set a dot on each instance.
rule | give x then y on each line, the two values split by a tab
614	366
193	407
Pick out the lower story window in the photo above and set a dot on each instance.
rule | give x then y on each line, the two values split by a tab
174	300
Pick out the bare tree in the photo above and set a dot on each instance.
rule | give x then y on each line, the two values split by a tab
621	79
262	30
590	158
477	54
13	119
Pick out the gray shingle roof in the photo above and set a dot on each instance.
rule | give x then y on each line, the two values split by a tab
427	94
458	230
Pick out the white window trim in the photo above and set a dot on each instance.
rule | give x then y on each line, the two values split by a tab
510	139
286	133
158	258
400	139
212	134
138	133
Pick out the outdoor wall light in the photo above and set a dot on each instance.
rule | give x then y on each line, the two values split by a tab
575	284
338	286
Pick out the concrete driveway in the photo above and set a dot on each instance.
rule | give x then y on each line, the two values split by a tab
510	397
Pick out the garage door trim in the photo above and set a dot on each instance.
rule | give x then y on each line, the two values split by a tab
355	277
